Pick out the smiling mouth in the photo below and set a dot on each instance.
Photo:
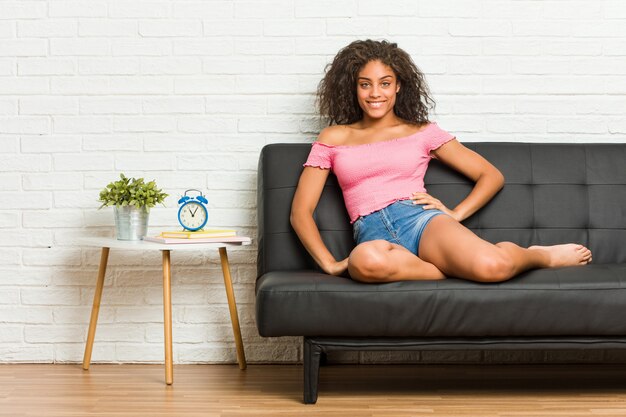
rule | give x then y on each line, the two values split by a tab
376	104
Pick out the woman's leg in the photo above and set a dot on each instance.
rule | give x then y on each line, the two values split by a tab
458	252
381	261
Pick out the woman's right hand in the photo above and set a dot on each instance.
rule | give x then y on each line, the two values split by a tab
336	268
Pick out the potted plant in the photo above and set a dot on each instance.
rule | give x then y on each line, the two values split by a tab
133	198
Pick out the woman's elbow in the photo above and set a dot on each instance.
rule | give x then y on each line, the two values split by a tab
295	218
498	178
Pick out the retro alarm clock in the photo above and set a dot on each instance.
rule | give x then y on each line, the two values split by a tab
193	214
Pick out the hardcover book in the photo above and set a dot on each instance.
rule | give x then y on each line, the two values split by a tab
173	240
200	234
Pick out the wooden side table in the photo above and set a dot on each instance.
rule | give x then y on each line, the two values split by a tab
107	243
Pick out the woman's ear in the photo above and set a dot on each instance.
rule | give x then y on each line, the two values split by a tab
398	87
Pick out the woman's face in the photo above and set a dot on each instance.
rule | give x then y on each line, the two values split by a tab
376	89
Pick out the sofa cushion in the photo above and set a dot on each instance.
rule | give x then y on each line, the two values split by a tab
574	301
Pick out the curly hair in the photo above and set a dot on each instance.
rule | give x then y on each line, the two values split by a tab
336	92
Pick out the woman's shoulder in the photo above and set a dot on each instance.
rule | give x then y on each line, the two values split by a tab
334	135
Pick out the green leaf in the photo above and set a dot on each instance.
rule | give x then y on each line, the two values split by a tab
131	191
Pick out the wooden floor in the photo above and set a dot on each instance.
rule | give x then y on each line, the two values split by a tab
345	390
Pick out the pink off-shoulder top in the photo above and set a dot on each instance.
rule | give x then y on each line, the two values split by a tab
375	175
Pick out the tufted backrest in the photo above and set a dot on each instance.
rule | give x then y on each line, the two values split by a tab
554	193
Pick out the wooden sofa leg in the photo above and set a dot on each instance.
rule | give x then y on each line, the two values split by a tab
312	356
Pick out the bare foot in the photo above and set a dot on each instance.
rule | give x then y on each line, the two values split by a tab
569	254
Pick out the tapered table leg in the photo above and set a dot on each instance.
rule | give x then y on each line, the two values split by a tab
97	296
167	317
232	306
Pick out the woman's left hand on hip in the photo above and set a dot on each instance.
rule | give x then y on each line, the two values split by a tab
429	202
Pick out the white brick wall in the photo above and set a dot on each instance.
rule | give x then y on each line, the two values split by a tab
188	92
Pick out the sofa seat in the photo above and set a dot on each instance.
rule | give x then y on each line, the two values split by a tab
574	301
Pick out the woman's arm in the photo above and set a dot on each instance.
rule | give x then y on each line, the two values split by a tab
488	179
305	200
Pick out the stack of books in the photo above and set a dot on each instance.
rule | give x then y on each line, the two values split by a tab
200	236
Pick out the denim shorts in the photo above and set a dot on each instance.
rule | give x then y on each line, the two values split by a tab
401	222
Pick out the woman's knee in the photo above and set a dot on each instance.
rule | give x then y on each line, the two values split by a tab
370	261
493	266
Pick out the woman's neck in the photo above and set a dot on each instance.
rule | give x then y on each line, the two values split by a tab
386	122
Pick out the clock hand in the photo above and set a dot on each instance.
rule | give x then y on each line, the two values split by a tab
194	213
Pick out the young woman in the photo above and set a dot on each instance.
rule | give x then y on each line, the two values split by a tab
378	144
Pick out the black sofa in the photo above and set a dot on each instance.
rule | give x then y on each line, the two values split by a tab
554	193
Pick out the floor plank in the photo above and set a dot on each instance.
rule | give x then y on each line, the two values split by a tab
345	390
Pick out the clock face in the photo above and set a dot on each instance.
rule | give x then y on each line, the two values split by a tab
192	215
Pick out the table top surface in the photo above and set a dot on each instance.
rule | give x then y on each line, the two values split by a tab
110	242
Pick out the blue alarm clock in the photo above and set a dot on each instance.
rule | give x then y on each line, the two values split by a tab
193	214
